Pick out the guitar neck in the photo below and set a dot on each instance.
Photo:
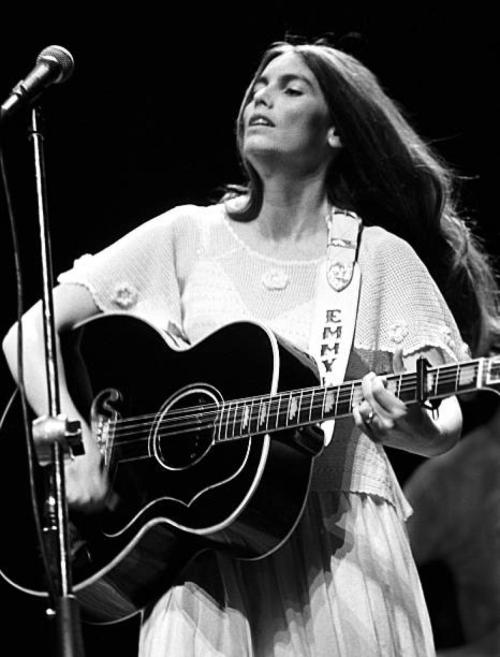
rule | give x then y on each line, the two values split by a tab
243	418
285	410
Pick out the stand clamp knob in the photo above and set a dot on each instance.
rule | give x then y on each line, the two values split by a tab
48	430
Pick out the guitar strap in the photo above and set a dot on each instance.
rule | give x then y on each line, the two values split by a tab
336	301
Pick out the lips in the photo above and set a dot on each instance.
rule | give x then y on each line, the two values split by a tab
260	119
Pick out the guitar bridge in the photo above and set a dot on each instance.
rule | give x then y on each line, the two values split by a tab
103	420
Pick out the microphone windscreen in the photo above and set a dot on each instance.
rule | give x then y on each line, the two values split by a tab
60	56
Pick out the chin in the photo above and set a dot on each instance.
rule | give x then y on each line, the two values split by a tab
259	149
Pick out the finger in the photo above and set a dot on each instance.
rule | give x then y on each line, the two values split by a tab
358	418
364	416
385	400
384	403
373	389
365	411
398	365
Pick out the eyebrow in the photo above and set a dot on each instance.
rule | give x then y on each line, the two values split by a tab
286	77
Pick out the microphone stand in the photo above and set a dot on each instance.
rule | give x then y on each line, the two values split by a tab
55	438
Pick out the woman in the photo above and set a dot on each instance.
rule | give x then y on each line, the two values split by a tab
317	137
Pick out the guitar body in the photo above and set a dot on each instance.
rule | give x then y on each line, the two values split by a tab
183	484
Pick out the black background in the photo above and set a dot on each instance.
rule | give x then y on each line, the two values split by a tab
147	122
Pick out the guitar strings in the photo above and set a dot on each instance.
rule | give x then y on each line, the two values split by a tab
254	403
190	413
187	413
406	386
211	425
273	411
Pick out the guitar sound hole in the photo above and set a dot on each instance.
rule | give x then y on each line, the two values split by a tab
185	429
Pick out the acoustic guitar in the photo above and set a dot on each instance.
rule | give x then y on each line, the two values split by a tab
206	447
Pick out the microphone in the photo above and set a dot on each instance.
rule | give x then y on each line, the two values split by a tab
53	66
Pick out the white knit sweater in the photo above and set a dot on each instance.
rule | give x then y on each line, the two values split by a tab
187	271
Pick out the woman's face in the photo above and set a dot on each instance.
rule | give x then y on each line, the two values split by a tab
286	120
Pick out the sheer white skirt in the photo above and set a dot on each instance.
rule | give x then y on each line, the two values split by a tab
344	585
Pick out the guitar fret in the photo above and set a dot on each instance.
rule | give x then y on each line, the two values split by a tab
218	423
227	410
259	416
235	418
276	424
408	392
287	416
245	419
227	419
272	413
489	375
457	377
293	407
434	385
262	414
448	380
398	385
303	413
468	374
324	403
236	409
245	422
317	404
266	409
329	401
345	403
254	418
311	405
248	415
231	420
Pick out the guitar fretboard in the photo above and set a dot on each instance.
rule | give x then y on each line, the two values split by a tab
268	413
243	418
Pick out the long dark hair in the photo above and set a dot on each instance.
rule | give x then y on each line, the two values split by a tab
388	175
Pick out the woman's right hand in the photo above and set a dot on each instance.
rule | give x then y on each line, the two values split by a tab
87	485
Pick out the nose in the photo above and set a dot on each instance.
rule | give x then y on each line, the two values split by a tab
263	97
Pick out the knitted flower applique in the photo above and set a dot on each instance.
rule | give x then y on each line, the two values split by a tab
275	279
398	331
447	336
124	295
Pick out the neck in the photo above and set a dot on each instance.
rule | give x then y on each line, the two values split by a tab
292	208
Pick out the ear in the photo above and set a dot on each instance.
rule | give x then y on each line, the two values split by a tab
333	138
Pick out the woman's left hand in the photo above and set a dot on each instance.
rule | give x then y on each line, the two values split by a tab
385	418
380	411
